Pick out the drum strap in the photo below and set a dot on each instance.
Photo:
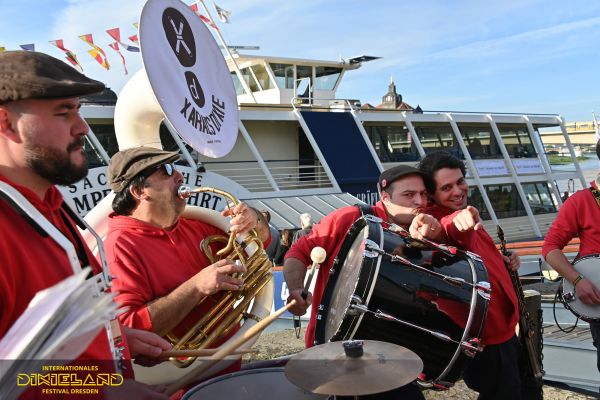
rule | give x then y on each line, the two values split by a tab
366	209
596	194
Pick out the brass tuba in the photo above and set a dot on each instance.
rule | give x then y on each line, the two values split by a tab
230	307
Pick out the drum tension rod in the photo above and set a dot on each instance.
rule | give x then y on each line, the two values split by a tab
458	282
469	346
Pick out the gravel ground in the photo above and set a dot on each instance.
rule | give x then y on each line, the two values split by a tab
284	342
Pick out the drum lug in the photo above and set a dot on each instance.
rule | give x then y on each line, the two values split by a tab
484	289
372	250
569	297
357	306
471	347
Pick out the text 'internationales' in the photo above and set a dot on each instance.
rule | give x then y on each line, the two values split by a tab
209	124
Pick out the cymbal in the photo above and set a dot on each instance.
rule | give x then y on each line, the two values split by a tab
329	369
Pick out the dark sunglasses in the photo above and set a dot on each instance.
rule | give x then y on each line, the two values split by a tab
169	169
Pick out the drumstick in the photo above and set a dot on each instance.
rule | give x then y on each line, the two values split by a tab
317	255
227	350
199	353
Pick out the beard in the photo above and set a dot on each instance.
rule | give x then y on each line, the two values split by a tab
55	165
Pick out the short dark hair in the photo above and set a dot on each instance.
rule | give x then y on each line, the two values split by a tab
598	149
124	203
433	162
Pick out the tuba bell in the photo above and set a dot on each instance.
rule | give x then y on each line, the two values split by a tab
142	105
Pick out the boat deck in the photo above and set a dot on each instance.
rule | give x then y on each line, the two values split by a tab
570	357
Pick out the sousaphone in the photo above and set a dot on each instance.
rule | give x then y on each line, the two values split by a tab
185	79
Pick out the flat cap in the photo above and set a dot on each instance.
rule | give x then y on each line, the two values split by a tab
388	176
33	75
127	164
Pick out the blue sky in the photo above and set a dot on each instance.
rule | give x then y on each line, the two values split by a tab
539	56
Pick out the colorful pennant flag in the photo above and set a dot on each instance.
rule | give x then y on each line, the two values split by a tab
28	47
70	56
222	13
115	47
134	38
97	53
115	33
204	18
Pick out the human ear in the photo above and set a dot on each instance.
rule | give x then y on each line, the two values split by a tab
137	192
6	125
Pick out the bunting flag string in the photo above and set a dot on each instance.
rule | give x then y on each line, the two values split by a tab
28	47
115	47
115	33
96	52
70	56
204	18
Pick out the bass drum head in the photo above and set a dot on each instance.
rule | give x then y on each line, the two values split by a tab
345	284
256	384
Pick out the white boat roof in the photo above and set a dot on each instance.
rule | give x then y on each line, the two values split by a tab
254	59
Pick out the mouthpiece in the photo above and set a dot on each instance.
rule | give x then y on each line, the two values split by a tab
184	192
318	255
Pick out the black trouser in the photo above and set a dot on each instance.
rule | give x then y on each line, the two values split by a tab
494	374
595	328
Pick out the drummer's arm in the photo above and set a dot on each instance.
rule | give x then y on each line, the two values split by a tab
584	289
294	272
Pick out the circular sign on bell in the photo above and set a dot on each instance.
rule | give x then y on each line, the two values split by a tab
189	76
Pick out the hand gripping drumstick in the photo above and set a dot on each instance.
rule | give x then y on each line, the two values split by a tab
225	350
317	255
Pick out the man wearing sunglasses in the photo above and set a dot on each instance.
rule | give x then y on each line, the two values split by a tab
162	272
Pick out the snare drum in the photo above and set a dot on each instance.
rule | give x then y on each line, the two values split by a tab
440	319
254	384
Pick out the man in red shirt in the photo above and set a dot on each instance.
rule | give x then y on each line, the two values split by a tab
403	199
494	372
163	272
577	217
42	140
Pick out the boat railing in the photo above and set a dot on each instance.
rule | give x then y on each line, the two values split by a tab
334	104
287	174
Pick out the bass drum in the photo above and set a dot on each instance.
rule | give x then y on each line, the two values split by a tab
254	384
587	266
433	306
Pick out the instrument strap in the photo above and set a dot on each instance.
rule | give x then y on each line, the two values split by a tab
79	248
596	194
365	209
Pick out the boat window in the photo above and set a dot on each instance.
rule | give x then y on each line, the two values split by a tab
480	141
392	143
284	75
504	198
517	141
239	89
304	80
540	197
263	77
326	77
436	137
250	81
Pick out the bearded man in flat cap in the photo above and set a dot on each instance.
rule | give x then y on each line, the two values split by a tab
163	273
41	145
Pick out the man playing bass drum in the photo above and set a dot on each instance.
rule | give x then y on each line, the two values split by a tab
578	216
